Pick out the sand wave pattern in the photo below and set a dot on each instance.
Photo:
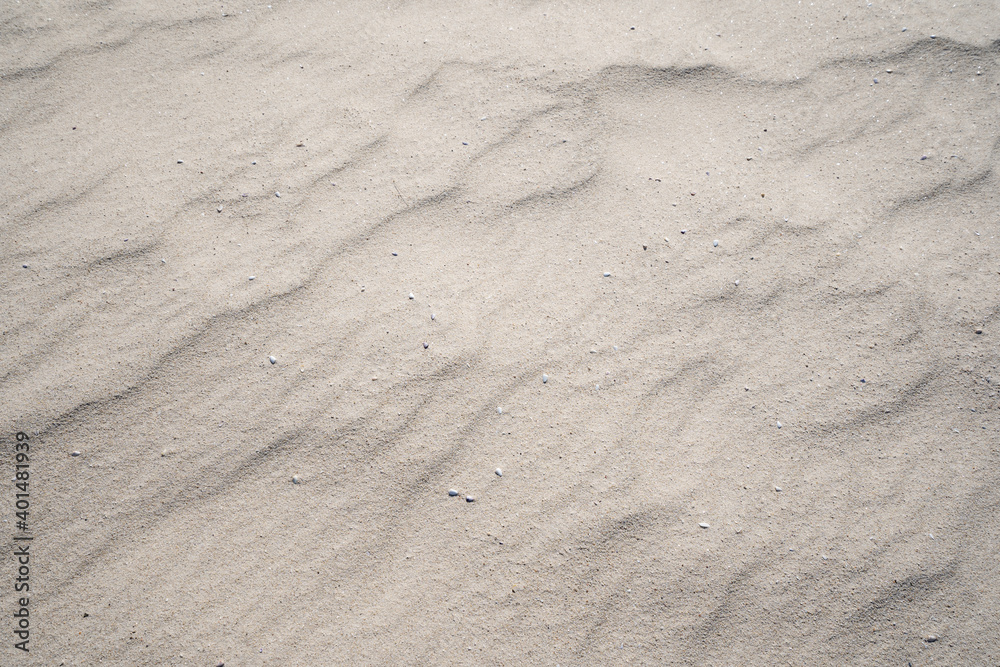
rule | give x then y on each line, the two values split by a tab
716	290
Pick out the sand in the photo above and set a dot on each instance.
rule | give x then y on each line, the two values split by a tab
548	180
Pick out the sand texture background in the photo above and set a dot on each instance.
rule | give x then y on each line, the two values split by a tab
495	161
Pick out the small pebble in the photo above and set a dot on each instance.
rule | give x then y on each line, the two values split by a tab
254	162
737	283
24	266
252	278
277	194
76	453
545	378
715	244
219	209
452	492
876	79
778	489
296	479
499	472
433	316
395	254
426	345
607	274
979	331
411	296
684	231
272	360
703	525
499	411
180	162
779	424
930	639
470	499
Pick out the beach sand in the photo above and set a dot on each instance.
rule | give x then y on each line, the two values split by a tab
751	248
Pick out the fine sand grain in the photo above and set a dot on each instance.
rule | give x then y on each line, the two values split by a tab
502	333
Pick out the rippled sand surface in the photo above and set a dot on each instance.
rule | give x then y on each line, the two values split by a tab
752	246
